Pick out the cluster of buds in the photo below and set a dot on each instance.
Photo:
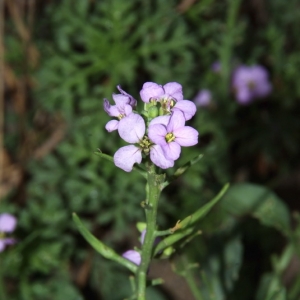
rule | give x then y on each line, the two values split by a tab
158	132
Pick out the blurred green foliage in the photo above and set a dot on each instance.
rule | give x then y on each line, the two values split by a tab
90	47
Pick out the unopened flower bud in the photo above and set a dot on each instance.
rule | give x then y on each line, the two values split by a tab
152	112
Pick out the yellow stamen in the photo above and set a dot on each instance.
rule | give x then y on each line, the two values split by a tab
170	137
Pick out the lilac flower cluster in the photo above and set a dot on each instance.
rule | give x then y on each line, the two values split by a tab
159	133
7	225
250	83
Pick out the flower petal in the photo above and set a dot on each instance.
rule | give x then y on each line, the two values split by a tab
157	156
203	98
151	90
8	223
121	100
177	120
143	233
9	241
132	128
127	109
2	245
164	120
174	89
133	256
112	125
186	136
172	150
132	101
243	95
111	110
127	156
106	105
187	107
157	134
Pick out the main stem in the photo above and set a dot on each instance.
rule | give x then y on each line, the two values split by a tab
155	182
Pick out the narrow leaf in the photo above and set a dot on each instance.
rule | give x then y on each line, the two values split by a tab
204	210
186	225
102	248
182	170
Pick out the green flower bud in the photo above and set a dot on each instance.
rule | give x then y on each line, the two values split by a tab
141	226
152	112
168	251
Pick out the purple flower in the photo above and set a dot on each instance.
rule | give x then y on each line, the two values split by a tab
250	83
133	256
153	91
173	136
216	67
7	225
124	105
170	97
132	130
143	234
203	98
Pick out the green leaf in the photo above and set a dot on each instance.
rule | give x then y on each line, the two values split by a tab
278	295
204	210
182	170
102	248
233	259
260	202
185	227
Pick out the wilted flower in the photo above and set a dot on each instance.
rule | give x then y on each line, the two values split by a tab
123	107
7	225
203	98
170	97
250	83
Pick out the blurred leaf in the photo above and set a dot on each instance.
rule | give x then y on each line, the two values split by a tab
233	259
260	202
186	226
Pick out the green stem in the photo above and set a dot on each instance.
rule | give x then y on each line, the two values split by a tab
190	279
154	188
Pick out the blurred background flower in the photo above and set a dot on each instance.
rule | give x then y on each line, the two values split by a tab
8	224
203	98
250	83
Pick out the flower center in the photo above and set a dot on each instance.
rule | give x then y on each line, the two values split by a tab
251	85
167	103
170	137
145	144
121	116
